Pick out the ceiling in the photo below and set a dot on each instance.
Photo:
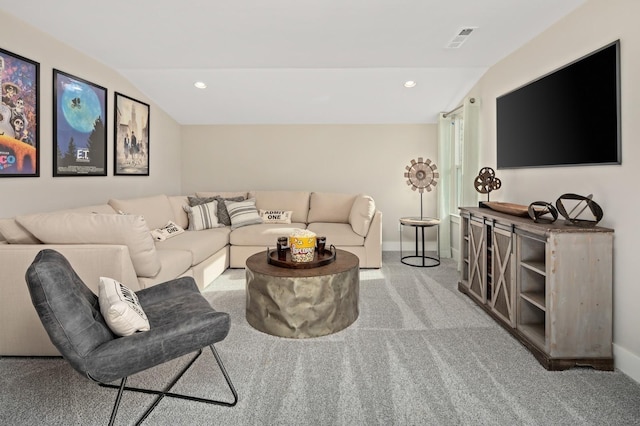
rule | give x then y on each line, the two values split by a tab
295	61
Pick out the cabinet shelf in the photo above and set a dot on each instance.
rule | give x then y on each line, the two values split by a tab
535	332
537	298
535	265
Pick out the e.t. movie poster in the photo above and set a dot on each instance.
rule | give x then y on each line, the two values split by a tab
19	116
80	132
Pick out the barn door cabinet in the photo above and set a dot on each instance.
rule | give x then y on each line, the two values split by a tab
549	285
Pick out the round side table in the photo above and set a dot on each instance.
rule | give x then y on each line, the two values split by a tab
420	257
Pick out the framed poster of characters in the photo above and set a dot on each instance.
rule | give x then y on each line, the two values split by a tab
131	136
19	116
79	130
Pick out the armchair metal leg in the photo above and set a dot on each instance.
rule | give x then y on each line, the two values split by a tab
162	393
114	411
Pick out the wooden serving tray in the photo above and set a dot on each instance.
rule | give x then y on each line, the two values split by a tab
318	259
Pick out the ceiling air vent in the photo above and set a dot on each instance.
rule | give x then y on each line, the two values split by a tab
460	37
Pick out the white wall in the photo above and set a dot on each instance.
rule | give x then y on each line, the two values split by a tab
44	193
322	158
614	188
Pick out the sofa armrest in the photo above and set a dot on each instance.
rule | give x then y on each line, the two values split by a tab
21	332
373	242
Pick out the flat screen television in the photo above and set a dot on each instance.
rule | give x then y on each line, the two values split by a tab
568	117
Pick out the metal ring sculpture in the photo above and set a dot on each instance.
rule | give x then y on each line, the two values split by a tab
538	211
574	214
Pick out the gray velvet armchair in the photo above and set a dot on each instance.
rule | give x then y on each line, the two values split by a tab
181	322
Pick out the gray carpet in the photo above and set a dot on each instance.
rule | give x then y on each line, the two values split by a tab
420	353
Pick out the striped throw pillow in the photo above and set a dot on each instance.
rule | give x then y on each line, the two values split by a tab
243	213
202	216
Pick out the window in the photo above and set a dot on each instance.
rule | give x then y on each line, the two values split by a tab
457	156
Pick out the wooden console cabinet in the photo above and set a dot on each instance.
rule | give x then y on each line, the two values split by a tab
548	284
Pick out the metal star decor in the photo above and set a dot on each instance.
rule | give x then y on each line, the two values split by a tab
421	175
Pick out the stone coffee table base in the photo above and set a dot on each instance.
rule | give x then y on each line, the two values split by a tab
302	303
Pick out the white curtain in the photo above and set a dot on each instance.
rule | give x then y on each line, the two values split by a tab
447	195
445	187
471	141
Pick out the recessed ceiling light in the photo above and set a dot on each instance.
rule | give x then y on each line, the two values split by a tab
410	83
200	85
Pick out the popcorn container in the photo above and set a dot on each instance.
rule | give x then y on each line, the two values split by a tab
302	246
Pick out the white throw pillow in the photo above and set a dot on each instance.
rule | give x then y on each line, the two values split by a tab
362	214
120	308
171	229
202	216
243	213
276	216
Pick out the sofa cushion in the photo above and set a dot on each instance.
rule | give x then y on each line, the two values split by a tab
223	194
156	210
338	234
120	308
177	201
296	201
330	207
98	208
243	213
361	214
275	216
201	244
88	228
265	235
14	233
203	216
174	263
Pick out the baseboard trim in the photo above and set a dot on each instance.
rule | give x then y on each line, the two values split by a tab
627	362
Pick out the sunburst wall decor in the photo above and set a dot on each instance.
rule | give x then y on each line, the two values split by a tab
421	175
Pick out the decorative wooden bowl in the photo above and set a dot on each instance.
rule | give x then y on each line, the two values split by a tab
508	208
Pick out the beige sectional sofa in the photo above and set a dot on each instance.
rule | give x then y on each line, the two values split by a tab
114	240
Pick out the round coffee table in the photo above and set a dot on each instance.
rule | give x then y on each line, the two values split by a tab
301	303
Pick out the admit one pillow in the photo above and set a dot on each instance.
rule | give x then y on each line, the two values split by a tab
276	216
120	308
171	229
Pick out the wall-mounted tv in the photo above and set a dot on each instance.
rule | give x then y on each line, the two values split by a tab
568	117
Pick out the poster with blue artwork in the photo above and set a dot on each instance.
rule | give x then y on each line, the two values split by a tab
19	116
80	132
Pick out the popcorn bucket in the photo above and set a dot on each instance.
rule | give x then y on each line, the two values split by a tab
303	245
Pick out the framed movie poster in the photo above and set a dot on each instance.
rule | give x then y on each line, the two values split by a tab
79	130
19	116
131	134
